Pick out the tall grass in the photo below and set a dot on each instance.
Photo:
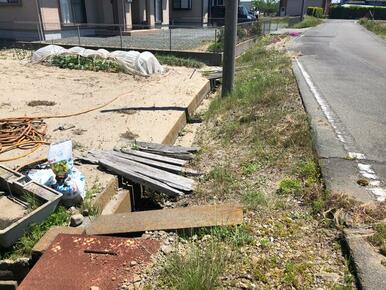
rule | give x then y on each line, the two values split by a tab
308	21
378	27
198	269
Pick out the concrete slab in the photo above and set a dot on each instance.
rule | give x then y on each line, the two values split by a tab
13	212
120	203
370	272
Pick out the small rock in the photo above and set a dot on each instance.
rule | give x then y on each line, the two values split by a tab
136	278
242	285
167	249
85	212
137	285
94	288
133	263
76	220
113	278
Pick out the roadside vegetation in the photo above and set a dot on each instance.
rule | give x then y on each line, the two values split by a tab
257	150
376	26
178	61
308	21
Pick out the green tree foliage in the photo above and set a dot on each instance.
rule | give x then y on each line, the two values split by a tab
266	6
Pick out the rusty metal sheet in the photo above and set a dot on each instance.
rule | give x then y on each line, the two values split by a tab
80	262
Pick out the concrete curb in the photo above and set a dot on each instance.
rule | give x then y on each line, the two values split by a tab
339	175
371	274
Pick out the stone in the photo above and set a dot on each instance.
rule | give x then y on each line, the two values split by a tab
166	249
242	285
85	212
136	278
76	220
94	288
133	263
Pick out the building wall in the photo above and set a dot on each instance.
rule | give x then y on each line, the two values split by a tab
191	16
294	7
11	16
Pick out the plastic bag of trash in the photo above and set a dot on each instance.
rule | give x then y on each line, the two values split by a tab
62	175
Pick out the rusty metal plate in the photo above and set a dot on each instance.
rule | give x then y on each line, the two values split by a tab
80	262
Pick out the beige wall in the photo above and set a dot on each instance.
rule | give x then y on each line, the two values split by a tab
193	15
27	12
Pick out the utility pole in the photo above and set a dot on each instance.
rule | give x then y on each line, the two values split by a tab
302	16
230	35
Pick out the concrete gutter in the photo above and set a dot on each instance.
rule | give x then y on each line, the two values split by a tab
371	274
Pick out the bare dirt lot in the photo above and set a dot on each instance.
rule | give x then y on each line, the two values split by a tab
34	90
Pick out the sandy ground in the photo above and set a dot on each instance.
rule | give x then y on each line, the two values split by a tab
74	91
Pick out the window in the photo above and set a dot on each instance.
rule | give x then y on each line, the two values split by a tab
10	2
72	11
218	3
182	4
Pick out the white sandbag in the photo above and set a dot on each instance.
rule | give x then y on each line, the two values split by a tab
144	63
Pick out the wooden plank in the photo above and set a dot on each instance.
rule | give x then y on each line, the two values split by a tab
166	148
156	157
176	181
167	219
157	164
126	172
182	156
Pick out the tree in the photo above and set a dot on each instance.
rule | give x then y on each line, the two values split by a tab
266	6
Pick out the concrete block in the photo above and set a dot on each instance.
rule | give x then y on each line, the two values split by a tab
43	244
8	285
120	203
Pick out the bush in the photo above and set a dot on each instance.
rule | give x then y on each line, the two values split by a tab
356	12
309	21
315	11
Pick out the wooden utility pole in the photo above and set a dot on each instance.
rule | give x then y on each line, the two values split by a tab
230	37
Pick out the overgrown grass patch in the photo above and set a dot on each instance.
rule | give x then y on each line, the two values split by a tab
198	269
376	26
179	61
308	21
378	239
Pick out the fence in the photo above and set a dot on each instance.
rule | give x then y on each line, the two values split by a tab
167	37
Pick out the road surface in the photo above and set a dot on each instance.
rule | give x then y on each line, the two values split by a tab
342	78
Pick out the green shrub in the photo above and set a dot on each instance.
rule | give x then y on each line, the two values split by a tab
315	11
356	12
308	21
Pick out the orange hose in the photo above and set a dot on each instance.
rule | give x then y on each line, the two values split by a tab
28	133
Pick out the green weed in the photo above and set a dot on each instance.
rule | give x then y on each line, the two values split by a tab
378	239
296	275
87	204
198	269
178	61
289	186
23	247
254	199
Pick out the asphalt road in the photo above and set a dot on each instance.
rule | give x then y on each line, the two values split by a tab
344	67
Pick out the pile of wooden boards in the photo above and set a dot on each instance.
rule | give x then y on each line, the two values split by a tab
156	166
